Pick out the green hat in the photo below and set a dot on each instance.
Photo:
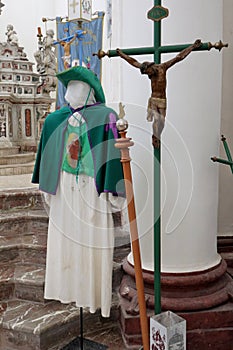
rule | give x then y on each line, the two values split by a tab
83	74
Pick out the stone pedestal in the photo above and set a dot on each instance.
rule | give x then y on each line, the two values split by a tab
203	298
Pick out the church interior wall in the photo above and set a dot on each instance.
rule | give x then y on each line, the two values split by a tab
118	77
225	217
192	101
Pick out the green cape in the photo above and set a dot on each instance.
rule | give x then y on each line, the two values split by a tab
101	132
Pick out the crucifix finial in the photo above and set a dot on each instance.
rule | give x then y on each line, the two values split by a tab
122	124
73	5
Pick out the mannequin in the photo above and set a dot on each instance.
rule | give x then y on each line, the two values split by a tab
81	231
81	90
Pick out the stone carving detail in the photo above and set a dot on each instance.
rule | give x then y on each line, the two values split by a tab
11	35
28	123
2	121
46	61
21	92
19	126
129	292
10	122
11	46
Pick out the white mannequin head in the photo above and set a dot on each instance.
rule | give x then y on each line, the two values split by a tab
77	93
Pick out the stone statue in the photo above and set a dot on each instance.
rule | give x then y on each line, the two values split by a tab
49	54
40	67
12	44
49	60
157	103
46	61
11	35
121	110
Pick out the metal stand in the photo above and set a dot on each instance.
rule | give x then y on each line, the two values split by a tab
80	343
81	328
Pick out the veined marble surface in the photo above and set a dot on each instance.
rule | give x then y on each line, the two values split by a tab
27	321
16	181
27	318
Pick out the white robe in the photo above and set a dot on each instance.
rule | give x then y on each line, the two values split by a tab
81	233
80	245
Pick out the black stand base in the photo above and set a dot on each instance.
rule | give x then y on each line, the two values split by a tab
87	345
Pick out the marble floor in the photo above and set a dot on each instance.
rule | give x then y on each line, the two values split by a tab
102	331
21	315
105	333
38	322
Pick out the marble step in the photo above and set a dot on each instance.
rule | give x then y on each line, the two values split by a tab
26	199
20	158
6	282
22	282
27	321
35	326
17	223
6	151
16	169
26	281
27	249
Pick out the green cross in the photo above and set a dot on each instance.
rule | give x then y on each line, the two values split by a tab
228	153
156	14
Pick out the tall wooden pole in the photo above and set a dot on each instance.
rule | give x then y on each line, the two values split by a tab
123	144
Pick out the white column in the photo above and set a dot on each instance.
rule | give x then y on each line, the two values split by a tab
225	217
189	218
190	138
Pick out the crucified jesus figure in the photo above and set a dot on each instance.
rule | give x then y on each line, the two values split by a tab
66	46
156	110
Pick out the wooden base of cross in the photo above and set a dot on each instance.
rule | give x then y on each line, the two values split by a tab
123	144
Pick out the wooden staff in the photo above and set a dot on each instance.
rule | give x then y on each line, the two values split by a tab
123	144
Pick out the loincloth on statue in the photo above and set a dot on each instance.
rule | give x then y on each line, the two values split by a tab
155	102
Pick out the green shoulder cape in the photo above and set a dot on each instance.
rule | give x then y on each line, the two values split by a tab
101	131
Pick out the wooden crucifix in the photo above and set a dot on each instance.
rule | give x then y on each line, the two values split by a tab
157	73
66	44
157	104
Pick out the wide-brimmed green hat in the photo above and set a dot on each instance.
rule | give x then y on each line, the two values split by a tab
83	74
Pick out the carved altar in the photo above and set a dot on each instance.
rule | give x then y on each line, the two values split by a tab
23	102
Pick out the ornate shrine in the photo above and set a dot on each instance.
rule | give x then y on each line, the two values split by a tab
23	101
